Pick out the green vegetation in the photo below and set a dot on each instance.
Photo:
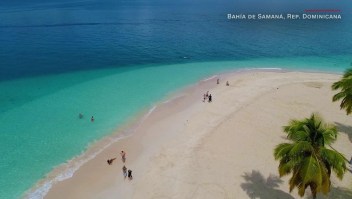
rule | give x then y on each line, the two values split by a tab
307	158
345	85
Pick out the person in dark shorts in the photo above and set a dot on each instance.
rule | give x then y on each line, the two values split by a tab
130	174
210	98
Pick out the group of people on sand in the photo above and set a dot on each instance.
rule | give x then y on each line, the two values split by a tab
80	116
126	172
207	96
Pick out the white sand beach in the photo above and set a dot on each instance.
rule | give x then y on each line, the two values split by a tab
187	148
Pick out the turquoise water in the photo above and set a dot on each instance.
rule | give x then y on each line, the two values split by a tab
111	59
39	115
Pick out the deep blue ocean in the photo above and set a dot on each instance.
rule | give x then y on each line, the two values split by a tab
59	58
40	37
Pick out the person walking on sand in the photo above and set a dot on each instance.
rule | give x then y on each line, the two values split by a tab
130	174
210	98
207	94
227	83
218	81
124	170
123	156
204	97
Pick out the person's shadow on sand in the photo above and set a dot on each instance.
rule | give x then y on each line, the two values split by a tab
256	186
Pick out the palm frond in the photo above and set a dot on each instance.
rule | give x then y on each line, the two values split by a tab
286	166
338	96
298	135
295	180
335	160
307	158
348	73
282	150
345	87
310	169
325	184
300	148
336	85
329	133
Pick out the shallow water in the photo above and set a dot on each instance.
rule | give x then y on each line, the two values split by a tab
112	59
40	124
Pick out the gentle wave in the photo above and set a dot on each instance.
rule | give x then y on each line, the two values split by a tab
173	98
75	163
263	69
147	115
212	77
72	166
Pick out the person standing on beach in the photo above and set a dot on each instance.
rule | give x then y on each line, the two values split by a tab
123	156
227	83
204	97
124	170
210	98
218	81
130	174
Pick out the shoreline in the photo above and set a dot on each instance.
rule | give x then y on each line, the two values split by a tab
183	98
64	171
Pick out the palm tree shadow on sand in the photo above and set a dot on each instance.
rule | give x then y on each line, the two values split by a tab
345	129
335	193
257	186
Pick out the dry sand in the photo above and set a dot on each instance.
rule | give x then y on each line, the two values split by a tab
187	148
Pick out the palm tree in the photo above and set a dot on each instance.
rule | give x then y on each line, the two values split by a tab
345	84
307	157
